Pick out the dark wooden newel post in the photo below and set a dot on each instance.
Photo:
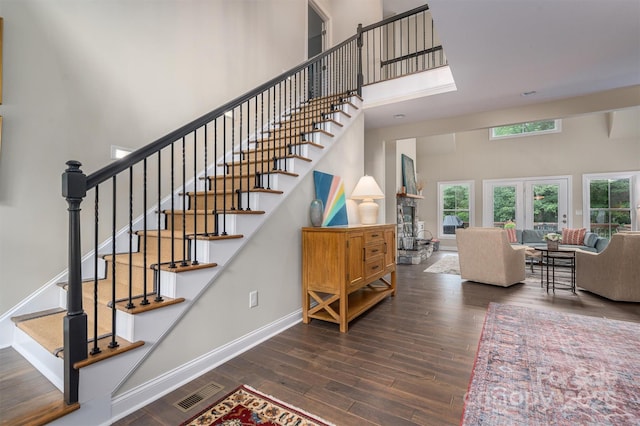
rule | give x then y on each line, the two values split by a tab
74	189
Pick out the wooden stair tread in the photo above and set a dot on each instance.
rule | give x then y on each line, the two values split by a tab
33	315
293	125
292	133
279	147
309	114
339	99
295	135
266	160
137	258
42	414
188	267
202	212
231	191
167	233
122	295
251	175
48	332
106	352
153	304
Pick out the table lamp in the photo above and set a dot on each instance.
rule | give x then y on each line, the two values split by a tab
367	190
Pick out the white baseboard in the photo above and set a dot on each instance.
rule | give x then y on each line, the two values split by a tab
138	397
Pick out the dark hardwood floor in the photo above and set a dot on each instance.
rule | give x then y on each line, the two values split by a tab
407	361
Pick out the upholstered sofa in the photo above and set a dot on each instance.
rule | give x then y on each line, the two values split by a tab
533	238
486	256
615	272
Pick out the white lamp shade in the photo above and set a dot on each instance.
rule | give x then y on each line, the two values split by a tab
367	190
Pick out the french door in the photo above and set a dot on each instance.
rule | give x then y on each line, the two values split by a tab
540	203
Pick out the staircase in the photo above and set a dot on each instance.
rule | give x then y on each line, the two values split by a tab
287	149
167	220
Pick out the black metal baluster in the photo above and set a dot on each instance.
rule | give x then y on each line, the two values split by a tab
282	153
130	304
424	39
248	103
233	162
172	263
144	301
383	54
261	146
256	177
215	178
156	274
206	182
266	150
183	262
95	350
293	94
226	174
416	43
113	343
433	55
195	202
269	122
240	176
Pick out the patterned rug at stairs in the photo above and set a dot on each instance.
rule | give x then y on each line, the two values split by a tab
448	264
246	406
545	367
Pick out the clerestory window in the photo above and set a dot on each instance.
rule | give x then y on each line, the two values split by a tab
525	129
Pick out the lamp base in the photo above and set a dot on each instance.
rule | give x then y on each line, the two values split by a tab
368	210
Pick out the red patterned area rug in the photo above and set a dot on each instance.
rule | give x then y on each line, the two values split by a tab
246	406
549	368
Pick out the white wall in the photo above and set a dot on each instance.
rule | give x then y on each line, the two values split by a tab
346	15
583	146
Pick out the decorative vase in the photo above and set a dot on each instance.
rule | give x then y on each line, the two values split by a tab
316	210
552	245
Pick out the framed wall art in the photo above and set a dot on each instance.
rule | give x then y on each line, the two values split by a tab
408	175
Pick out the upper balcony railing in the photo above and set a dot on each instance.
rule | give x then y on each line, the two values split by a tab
401	45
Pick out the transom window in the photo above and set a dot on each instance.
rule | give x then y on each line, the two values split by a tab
525	129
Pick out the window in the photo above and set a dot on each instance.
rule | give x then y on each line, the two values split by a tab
609	200
455	207
525	129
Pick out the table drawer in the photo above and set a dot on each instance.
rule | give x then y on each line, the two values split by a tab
374	266
373	250
373	236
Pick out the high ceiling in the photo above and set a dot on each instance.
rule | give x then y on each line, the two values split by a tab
499	49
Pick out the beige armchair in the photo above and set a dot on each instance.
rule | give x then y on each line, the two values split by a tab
613	273
486	256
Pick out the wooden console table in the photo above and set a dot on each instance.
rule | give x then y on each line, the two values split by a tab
339	268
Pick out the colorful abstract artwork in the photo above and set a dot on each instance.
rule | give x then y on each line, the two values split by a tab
330	190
